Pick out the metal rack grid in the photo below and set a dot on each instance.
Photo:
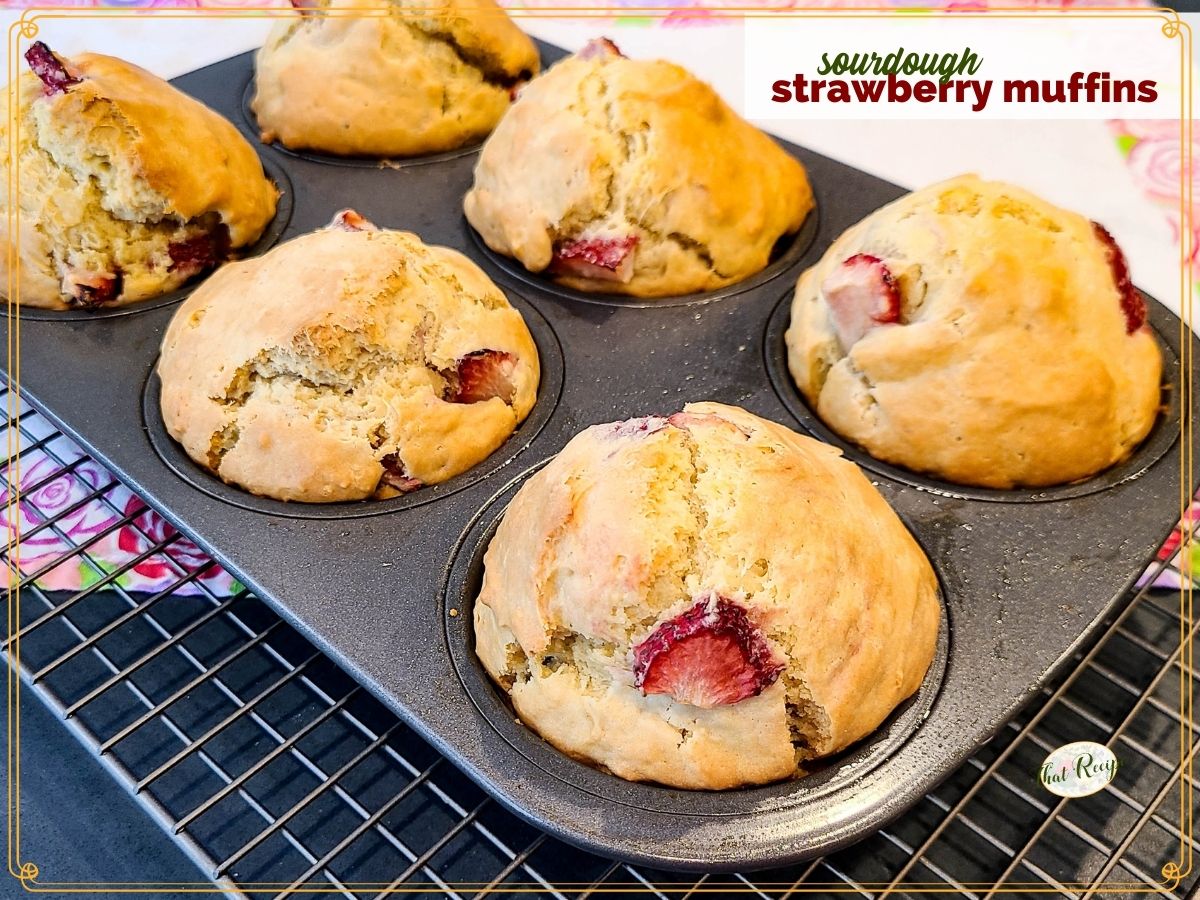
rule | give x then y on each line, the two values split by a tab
275	771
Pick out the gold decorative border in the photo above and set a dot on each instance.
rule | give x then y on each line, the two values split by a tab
27	872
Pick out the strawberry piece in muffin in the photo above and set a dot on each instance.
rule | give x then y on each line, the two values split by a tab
482	375
49	68
862	294
200	252
350	220
709	655
598	258
91	290
1132	304
639	427
598	47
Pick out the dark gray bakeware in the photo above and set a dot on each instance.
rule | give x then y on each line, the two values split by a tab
386	588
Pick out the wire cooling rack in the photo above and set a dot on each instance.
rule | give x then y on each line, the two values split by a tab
277	773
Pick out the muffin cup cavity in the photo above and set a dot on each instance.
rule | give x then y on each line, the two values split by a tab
1163	434
549	390
270	236
789	251
462	585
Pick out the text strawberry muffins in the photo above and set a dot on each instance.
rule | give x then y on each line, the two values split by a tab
644	615
975	332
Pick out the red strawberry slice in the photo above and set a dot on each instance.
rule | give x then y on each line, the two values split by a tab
598	47
596	258
637	427
305	7
349	220
482	375
49	68
395	477
1132	304
709	655
861	294
196	254
685	421
91	290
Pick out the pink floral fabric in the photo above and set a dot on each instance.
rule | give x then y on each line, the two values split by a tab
1154	152
87	507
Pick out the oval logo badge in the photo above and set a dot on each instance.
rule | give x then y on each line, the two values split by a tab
1079	769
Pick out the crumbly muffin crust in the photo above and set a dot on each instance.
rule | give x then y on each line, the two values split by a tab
344	364
633	177
975	332
411	78
128	187
648	548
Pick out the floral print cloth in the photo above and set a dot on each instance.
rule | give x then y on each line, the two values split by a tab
118	529
1154	155
87	507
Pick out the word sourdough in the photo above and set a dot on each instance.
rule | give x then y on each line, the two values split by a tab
944	65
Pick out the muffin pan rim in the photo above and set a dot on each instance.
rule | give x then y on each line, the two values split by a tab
459	592
271	236
1163	434
550	382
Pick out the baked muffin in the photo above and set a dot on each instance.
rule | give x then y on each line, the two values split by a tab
977	333
405	79
633	177
644	615
128	187
349	363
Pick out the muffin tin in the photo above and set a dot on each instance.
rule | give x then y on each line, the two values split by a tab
386	587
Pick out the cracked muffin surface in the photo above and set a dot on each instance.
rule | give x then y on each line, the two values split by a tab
975	332
407	79
128	188
632	176
645	616
349	363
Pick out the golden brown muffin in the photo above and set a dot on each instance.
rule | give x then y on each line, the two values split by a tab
633	177
408	78
128	187
645	614
973	331
347	363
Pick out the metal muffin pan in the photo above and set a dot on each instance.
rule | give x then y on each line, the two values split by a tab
1024	584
